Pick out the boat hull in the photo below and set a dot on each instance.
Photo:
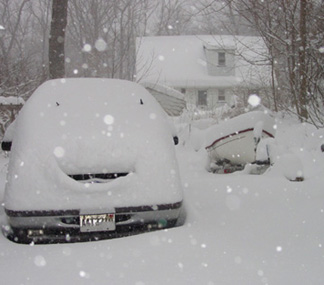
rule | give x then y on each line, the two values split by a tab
237	149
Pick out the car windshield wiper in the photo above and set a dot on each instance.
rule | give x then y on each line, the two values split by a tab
101	176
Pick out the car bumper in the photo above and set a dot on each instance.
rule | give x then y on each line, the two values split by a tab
64	226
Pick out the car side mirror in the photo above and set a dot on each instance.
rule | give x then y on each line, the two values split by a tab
6	146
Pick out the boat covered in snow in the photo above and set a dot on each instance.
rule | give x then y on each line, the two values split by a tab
233	143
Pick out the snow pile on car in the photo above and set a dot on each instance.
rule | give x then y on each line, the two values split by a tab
86	126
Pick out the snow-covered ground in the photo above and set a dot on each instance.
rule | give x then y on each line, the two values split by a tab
240	229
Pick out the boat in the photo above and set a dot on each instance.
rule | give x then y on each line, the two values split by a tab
233	143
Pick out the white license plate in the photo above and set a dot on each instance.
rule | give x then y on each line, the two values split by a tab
97	222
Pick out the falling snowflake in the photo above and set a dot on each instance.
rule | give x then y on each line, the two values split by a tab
109	120
254	100
59	152
100	45
279	248
84	274
161	58
180	265
87	48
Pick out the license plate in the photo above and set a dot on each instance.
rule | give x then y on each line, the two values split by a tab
97	222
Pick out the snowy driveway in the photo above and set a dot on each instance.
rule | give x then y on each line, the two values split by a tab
241	229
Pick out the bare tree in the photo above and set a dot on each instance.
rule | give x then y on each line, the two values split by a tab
17	68
102	36
285	27
173	17
221	18
41	12
18	60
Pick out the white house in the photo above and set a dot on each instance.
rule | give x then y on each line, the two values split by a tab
208	70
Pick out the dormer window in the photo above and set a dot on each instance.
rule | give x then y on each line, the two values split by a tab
221	59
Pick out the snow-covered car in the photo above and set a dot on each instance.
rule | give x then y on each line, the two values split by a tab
91	159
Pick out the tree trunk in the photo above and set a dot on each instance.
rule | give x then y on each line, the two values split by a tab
302	61
57	39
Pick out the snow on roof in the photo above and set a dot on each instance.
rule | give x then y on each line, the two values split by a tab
171	100
180	61
11	100
215	46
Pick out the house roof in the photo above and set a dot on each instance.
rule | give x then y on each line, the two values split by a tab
171	100
180	61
